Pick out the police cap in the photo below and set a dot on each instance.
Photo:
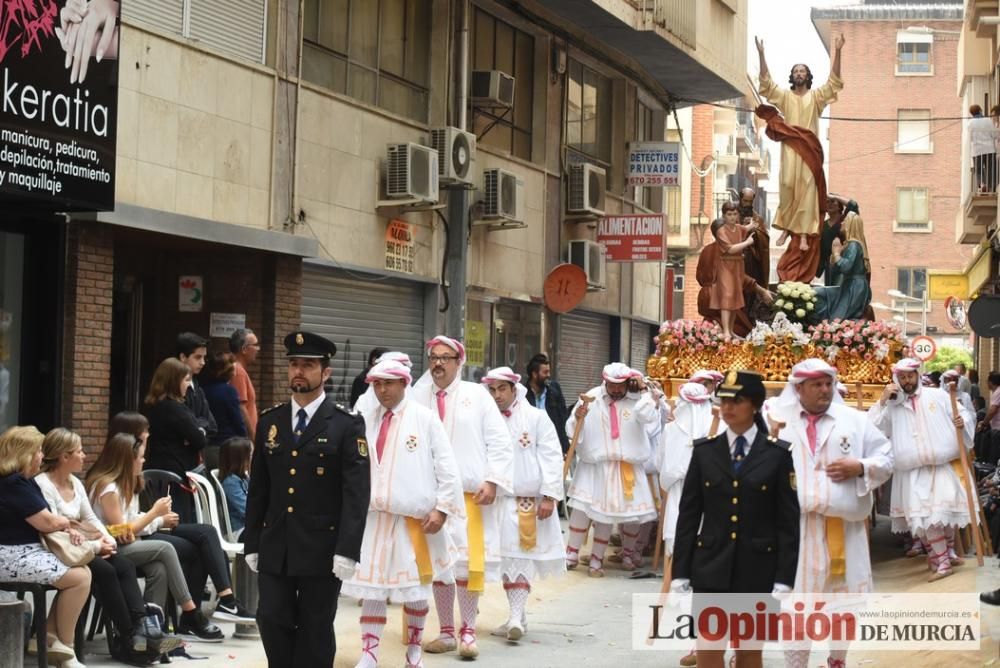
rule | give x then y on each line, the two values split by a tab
307	344
747	384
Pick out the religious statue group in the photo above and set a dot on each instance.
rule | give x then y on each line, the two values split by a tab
824	232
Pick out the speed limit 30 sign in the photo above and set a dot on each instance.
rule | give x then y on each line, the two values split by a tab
924	348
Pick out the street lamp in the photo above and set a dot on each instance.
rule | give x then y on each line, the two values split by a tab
905	298
906	323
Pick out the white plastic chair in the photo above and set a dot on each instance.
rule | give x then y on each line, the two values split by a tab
206	506
224	502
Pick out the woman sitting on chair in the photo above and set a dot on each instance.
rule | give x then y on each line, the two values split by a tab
234	473
24	515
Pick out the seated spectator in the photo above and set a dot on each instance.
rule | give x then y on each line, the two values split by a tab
175	439
114	483
224	402
197	546
24	514
234	472
135	635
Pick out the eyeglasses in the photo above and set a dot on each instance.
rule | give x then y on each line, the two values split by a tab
442	359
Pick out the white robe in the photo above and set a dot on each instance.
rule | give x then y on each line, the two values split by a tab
485	453
597	487
538	464
842	432
416	474
692	421
926	490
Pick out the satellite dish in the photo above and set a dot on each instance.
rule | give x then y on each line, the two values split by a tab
984	316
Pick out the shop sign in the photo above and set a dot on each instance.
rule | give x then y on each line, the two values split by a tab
222	325
58	122
941	285
475	343
632	238
400	248
654	163
190	293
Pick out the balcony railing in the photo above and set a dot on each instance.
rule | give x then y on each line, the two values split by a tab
746	139
678	17
979	184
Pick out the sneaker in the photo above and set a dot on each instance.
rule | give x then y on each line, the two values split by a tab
233	613
195	627
164	645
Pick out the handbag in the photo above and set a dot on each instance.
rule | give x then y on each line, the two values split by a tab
60	544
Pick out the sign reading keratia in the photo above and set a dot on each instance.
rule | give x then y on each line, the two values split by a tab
58	112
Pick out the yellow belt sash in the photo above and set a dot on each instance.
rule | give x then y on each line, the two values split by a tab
835	546
628	479
527	526
477	545
423	554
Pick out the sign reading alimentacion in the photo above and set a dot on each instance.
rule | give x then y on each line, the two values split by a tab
58	112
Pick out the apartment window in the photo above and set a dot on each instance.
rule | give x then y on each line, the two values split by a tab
912	211
644	132
496	45
912	281
913	131
913	56
376	51
588	112
673	197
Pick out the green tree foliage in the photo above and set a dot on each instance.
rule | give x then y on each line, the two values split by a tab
947	357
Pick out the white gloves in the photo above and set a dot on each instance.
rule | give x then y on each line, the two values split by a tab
344	568
680	586
252	561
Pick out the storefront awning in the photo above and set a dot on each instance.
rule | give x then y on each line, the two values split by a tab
154	220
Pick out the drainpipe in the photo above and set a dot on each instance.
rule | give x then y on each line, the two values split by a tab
458	198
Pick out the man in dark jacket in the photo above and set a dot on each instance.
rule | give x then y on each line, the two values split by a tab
306	509
192	350
360	385
546	395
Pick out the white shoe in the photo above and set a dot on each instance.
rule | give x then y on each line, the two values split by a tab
514	631
59	654
72	663
500	631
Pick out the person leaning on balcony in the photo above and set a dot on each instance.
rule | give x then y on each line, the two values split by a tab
982	141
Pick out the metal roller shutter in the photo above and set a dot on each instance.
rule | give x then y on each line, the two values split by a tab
167	15
584	349
360	315
231	26
642	345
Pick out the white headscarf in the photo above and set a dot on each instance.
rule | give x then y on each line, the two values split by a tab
907	364
805	370
702	375
389	370
456	345
616	372
395	356
506	374
694	407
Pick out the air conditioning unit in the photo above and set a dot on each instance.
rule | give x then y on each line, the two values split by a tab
589	255
587	184
503	195
492	88
456	152
411	172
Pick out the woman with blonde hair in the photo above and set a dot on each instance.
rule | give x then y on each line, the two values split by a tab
175	439
24	515
136	635
850	271
114	483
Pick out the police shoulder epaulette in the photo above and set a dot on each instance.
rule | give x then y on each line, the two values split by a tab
344	409
774	440
268	410
699	441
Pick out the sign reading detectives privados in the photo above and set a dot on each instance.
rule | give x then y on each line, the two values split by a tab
58	112
654	163
632	238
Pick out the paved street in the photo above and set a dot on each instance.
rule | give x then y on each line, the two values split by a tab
578	621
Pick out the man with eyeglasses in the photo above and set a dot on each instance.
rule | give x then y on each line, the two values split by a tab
485	455
244	346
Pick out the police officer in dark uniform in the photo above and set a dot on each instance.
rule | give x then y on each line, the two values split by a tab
306	510
740	491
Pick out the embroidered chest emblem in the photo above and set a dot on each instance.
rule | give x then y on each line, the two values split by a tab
845	445
411	442
625	414
525	440
272	434
932	407
467	403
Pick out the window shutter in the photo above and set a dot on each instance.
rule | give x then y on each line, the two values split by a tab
167	15
235	27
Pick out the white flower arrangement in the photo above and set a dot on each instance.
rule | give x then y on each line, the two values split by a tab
780	328
797	300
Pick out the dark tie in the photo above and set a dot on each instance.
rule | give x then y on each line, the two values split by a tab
739	453
300	426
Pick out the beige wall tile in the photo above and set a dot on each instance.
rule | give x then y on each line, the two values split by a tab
314	119
258	208
198	75
348	177
128	122
313	172
157	131
317	215
229	202
260	158
194	195
125	177
160	65
195	141
345	127
262	103
234	84
130	57
156	186
232	151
